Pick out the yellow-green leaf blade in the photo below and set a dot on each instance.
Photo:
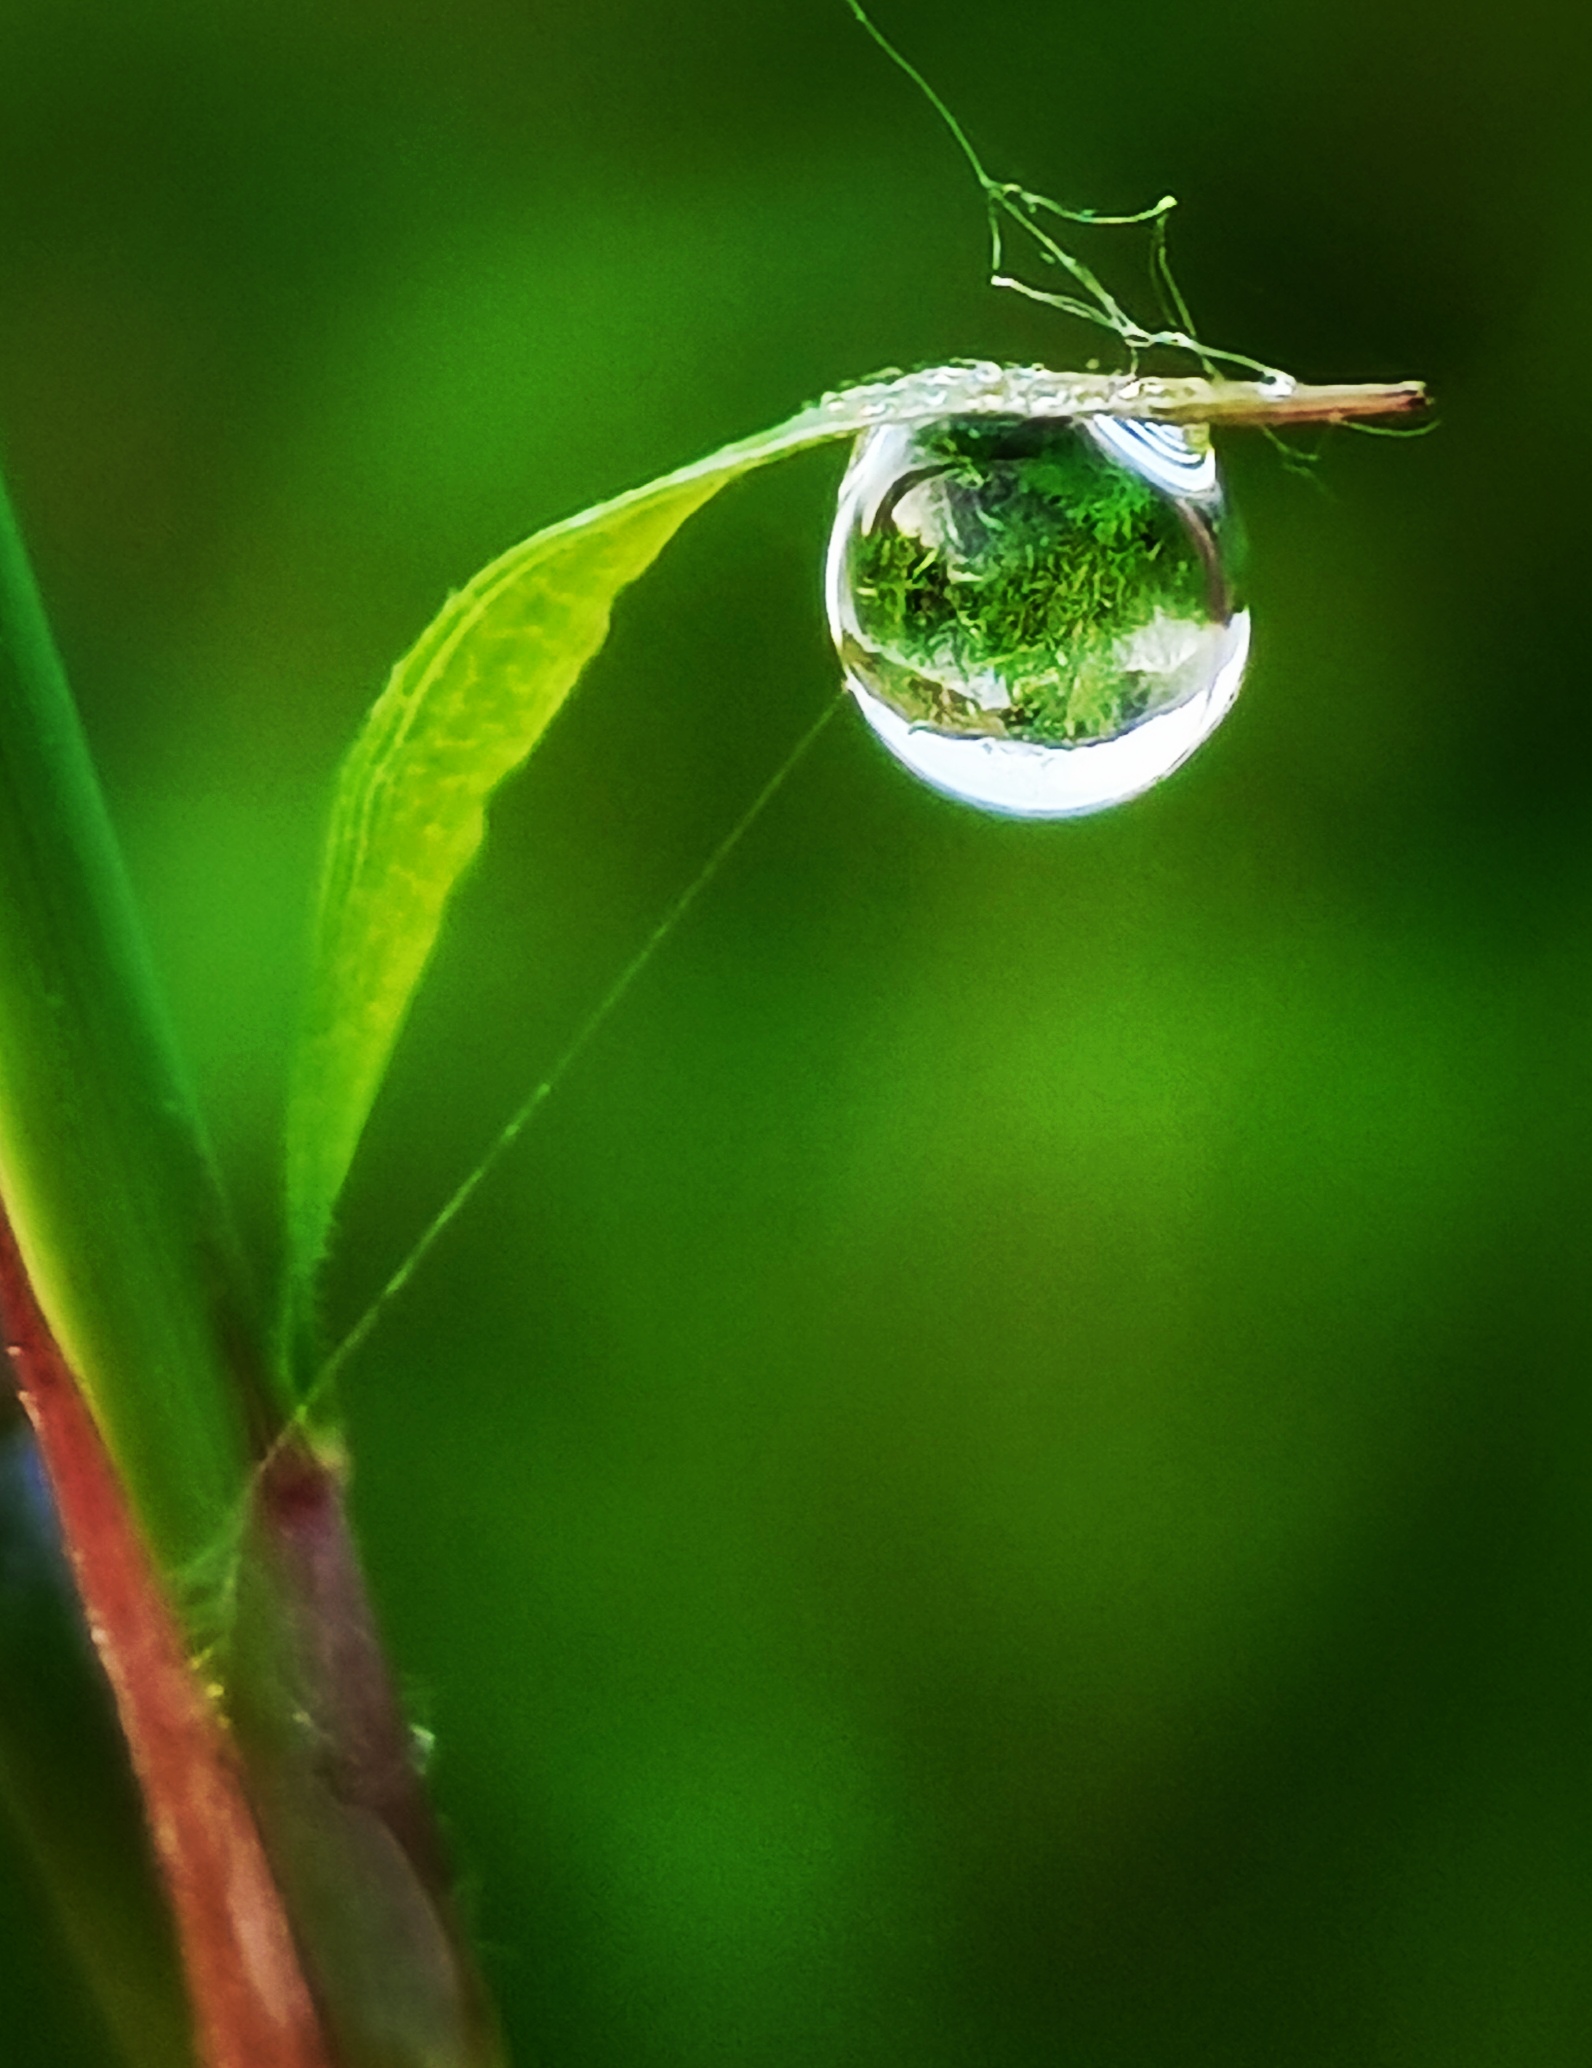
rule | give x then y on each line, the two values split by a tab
460	712
468	704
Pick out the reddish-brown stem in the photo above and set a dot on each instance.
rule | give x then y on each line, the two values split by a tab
1188	400
332	1776
252	2007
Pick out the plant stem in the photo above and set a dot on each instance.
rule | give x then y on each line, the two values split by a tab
332	1776
1261	404
252	2007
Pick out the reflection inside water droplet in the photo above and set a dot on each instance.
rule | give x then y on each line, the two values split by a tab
1037	615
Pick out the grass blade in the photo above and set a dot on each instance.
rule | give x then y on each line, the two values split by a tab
467	705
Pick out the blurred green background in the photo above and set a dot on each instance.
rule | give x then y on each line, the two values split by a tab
1006	1476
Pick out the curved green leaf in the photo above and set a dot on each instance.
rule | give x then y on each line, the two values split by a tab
466	706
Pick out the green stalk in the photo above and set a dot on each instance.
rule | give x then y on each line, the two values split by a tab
103	1168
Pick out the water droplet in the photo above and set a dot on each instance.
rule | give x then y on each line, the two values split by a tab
1037	615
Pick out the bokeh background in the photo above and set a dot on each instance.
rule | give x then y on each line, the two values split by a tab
1005	1478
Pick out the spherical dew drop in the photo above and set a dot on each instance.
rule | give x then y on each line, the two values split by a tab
1037	615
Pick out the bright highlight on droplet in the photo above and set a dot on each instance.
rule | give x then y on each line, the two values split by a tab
1037	615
